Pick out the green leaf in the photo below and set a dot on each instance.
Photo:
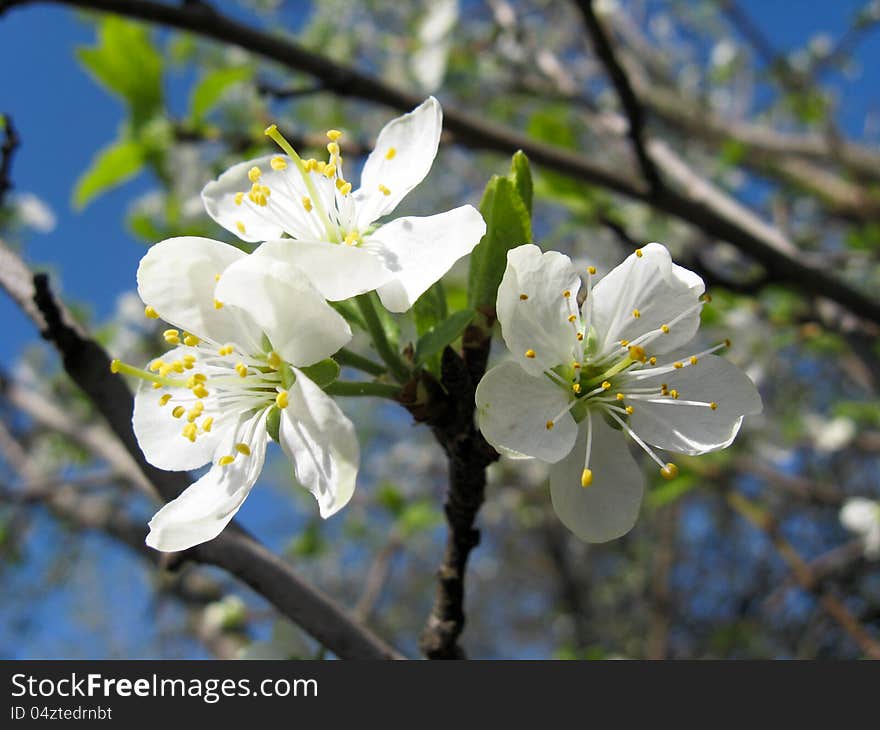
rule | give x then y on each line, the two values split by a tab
125	62
418	517
211	88
521	174
322	373
671	491
111	167
508	225
430	308
435	339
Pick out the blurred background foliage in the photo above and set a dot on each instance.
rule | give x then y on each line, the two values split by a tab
710	568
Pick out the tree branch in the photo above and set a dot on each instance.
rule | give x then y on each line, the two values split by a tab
472	131
234	550
632	107
7	150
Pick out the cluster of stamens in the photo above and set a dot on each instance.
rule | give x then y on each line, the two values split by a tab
208	381
592	378
329	211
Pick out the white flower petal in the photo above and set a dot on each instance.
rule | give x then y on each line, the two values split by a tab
514	407
322	444
254	223
538	322
282	302
337	271
177	278
609	507
659	289
414	138
160	435
860	515
209	504
419	251
688	429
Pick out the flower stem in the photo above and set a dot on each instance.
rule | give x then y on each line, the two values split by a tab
380	340
351	388
353	360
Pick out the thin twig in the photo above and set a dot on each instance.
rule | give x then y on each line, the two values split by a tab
632	107
7	151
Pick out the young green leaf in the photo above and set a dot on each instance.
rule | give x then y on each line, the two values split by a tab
435	339
322	373
111	167
521	174
211	88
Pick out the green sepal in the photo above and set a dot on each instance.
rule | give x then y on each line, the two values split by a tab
273	422
322	373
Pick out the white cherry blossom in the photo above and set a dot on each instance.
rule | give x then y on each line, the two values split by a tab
862	517
307	214
583	379
231	377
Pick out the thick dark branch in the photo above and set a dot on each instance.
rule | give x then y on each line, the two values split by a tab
632	107
706	213
88	365
7	150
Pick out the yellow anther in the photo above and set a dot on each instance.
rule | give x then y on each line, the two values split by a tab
189	361
195	411
639	252
664	328
678	365
352	238
225	460
114	366
572	317
333	134
624	343
243	449
384	190
239	198
345	188
652	360
629	410
586	478
606	385
178	411
310	164
240	227
150	313
673	394
637	352
207	423
670	471
264	189
190	340
664	386
216	277
389	155
282	399
591	270
636	313
274	360
200	391
566	293
333	148
241	369
523	297
329	171
177	366
549	425
694	360
197	378
278	163
226	350
713	405
172	336
580	336
190	430
727	343
164	399
576	365
576	387
530	354
706	298
254	174
165	370
307	204
620	396
156	386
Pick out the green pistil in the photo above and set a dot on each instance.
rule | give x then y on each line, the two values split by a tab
116	366
608	374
